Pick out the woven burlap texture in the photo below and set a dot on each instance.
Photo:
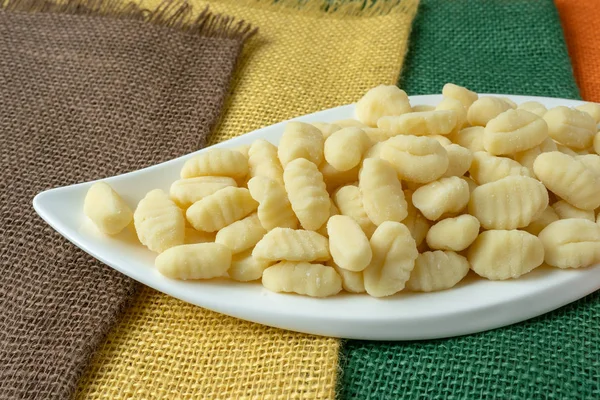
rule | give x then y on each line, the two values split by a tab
501	46
82	97
581	24
302	60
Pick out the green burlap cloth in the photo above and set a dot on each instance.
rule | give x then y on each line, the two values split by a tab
514	47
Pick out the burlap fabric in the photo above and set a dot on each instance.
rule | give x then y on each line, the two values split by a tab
305	58
86	95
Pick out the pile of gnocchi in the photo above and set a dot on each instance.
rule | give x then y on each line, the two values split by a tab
402	197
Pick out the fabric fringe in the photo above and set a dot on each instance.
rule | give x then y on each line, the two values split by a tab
333	8
175	14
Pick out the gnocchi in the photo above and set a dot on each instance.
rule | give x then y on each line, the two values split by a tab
571	243
220	209
241	235
349	201
194	261
416	158
245	268
292	245
486	168
534	107
464	95
437	270
438	122
490	259
571	127
216	162
484	109
315	280
352	281
307	193
564	211
380	101
159	223
263	161
344	149
348	244
454	234
106	209
394	255
593	109
447	195
185	192
274	208
514	131
381	192
300	140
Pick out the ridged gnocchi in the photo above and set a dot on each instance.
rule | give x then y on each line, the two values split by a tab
437	270
349	201
292	245
593	109
220	209
352	281
447	195
416	158
394	255
263	161
564	211
462	94
571	127
381	192
194	261
571	243
514	131
159	223
508	203
106	209
245	268
437	122
568	178
454	234
216	162
486	168
459	160
470	138
185	192
505	254
534	107
307	193
416	223
241	235
274	209
315	280
486	108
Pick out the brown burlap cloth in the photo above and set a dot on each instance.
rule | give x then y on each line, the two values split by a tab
88	90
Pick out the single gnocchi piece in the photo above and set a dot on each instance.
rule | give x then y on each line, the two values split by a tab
344	149
462	94
220	209
438	122
263	161
349	201
565	211
568	178
326	129
217	162
485	109
437	270
456	106
352	281
245	268
416	223
447	195
292	245
307	193
315	280
300	140
505	254
106	209
185	192
241	235
394	255
194	261
513	131
380	101
593	109
508	203
527	158
546	218
486	168
571	243
416	158
571	127
381	192
274	209
159	223
454	234
348	244
533	107
334	178
459	160
470	138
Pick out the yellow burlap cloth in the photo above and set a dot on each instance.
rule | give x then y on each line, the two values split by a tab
302	60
